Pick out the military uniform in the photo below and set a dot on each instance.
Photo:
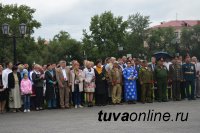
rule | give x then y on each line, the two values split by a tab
146	81
176	76
161	76
116	79
189	75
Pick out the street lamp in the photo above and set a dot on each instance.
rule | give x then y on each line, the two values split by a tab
5	29
120	49
22	30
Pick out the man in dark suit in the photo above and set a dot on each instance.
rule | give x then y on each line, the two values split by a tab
182	85
152	66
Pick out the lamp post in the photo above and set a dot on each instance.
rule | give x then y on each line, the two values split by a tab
68	58
22	30
120	49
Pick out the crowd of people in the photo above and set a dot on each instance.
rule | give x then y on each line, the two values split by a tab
114	81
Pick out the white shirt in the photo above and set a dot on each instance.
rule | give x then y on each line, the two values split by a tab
64	74
5	77
30	76
167	64
89	75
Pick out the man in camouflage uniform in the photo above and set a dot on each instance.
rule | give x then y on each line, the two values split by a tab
161	77
146	81
175	76
116	79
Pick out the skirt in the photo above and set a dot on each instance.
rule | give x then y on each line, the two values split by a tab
3	96
89	87
15	100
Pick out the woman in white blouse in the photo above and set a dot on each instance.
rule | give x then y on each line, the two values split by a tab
89	85
77	84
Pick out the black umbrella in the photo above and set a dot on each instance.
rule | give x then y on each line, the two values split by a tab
163	55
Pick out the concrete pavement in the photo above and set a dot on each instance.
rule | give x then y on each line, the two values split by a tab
85	120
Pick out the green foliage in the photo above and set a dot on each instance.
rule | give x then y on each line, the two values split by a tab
190	40
15	15
137	25
107	32
162	39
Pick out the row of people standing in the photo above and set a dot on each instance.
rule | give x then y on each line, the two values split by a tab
126	80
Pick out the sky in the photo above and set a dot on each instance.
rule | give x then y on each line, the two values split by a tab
74	15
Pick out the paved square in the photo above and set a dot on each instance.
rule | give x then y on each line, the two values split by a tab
86	120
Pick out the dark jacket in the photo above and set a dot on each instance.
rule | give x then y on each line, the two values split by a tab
175	72
37	81
189	71
100	82
50	87
11	80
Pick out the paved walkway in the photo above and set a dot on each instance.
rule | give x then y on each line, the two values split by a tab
85	120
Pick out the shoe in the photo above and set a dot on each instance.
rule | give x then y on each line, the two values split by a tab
67	107
28	110
18	110
134	102
164	100
89	105
76	107
25	111
62	107
80	106
149	101
41	108
37	109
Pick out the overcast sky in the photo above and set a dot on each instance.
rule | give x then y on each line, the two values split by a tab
74	15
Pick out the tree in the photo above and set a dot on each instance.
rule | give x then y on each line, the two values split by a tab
63	47
107	32
15	15
137	25
162	39
190	40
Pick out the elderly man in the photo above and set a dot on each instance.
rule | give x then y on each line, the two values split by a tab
175	76
63	78
161	76
108	68
197	81
152	66
116	79
146	81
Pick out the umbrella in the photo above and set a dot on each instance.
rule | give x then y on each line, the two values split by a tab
163	55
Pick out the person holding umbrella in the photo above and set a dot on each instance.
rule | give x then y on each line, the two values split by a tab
161	77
